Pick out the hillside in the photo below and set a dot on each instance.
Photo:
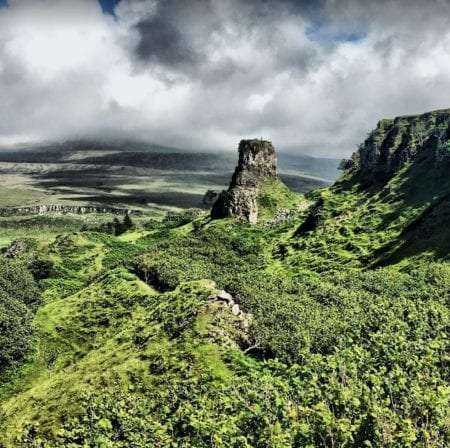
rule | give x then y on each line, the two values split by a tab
391	204
320	321
124	175
132	174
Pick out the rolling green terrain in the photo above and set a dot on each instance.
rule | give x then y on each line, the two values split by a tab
131	174
128	175
336	334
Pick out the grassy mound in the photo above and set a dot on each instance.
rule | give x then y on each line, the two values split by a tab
273	195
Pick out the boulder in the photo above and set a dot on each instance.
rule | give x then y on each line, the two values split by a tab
235	309
225	296
16	248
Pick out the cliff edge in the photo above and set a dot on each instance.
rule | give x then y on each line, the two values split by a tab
395	143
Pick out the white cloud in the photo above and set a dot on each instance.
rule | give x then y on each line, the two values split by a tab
235	71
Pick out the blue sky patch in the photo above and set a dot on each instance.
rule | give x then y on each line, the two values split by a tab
318	33
108	6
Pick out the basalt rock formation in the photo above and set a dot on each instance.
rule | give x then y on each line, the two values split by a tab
257	163
62	209
396	142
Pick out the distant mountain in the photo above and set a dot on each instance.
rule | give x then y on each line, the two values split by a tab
141	154
126	174
320	167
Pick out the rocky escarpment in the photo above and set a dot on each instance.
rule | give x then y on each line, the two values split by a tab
62	209
396	142
257	162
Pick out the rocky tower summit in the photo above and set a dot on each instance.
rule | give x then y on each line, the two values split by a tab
257	163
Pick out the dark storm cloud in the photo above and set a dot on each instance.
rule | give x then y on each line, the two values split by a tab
181	35
162	40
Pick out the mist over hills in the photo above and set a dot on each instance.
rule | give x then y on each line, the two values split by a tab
134	174
138	153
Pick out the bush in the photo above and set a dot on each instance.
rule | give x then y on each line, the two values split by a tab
346	164
16	333
17	281
114	227
19	296
176	219
40	268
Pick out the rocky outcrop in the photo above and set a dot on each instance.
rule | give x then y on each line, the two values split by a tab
228	302
16	248
396	142
257	162
284	214
62	209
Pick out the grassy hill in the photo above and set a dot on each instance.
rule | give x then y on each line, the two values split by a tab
340	338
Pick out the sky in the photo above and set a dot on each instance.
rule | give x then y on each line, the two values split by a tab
314	77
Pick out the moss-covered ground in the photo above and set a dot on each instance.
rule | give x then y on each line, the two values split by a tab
345	340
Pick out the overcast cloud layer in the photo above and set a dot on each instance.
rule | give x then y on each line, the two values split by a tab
313	77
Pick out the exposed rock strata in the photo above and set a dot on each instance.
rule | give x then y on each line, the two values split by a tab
242	320
396	142
284	214
76	209
16	248
257	162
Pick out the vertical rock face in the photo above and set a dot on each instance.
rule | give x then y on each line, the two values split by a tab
397	142
257	162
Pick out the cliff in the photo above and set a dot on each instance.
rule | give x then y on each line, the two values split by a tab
257	163
392	202
396	142
62	209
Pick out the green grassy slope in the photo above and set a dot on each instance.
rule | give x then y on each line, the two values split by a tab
120	364
373	216
344	341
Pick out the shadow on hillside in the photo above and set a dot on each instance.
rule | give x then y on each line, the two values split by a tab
428	235
169	199
422	195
